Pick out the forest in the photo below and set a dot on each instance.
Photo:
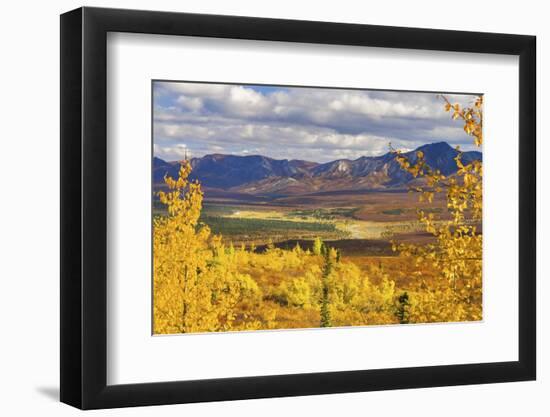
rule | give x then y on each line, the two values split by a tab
206	281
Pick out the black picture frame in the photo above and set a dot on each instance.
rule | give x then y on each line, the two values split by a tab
84	207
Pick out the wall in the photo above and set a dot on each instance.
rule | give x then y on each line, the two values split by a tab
29	226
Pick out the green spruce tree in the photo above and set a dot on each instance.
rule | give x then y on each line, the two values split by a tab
403	306
317	246
325	303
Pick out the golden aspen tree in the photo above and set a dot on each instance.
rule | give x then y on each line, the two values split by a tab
195	290
457	251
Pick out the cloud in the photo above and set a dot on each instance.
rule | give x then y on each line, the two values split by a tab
190	103
301	123
174	152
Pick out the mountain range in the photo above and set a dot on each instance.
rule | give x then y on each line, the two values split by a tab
261	175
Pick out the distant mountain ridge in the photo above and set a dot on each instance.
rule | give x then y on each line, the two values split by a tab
257	174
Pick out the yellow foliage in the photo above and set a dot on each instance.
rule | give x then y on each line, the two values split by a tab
203	283
195	288
457	252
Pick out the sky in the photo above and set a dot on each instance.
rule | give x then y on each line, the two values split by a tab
313	124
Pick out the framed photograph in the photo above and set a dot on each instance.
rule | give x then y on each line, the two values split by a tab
257	208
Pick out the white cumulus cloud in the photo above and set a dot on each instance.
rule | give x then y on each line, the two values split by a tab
297	123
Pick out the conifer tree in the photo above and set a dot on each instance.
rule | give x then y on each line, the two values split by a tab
325	303
317	246
403	306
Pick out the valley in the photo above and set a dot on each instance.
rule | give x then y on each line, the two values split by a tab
300	207
360	205
369	218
